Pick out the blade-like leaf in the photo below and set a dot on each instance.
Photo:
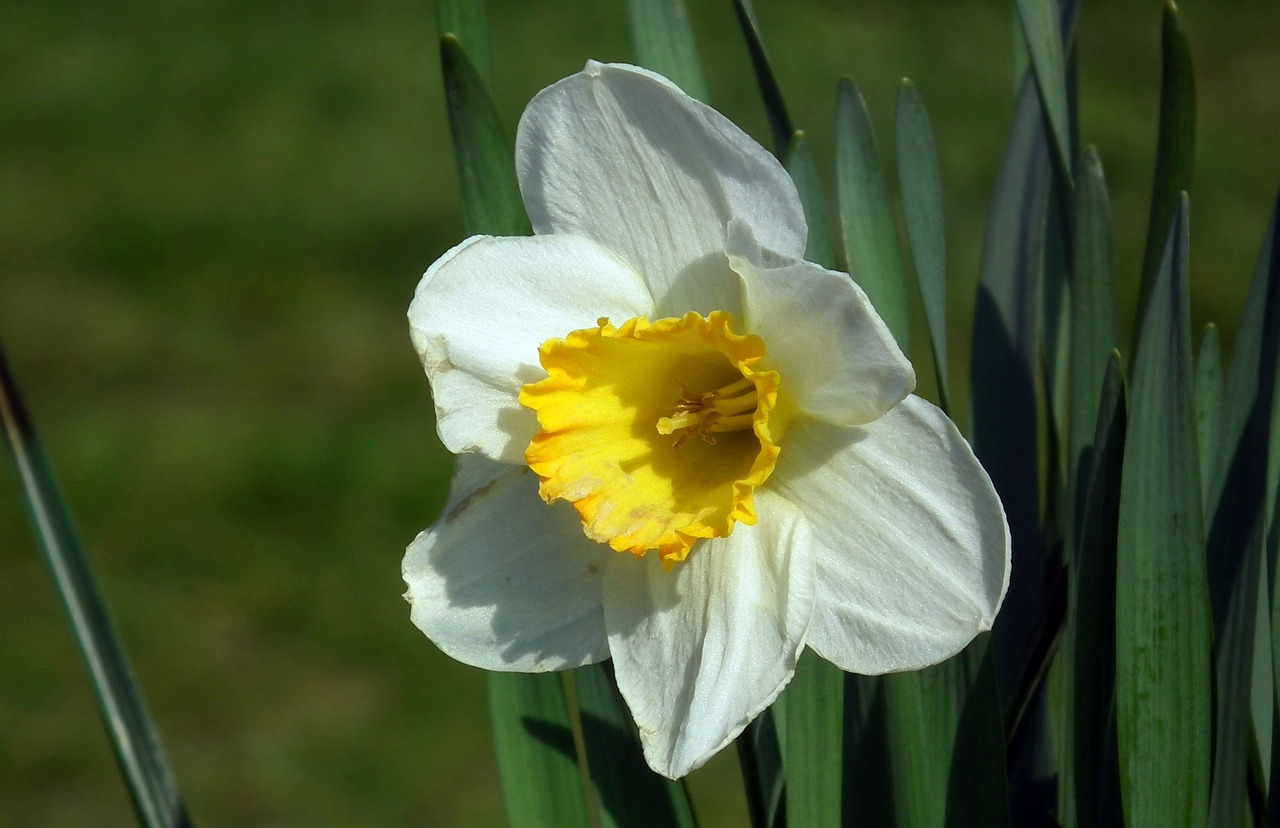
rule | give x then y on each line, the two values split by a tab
468	22
1093	318
921	186
1043	35
944	724
1002	370
760	757
866	214
803	167
1162	597
627	792
1237	495
815	729
663	41
1208	405
774	106
486	165
1175	145
537	760
1095	774
133	736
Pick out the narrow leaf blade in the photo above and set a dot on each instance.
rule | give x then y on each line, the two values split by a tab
491	200
921	185
815	728
1162	598
663	41
628	793
803	167
537	759
868	229
775	107
468	22
133	735
1175	145
1040	26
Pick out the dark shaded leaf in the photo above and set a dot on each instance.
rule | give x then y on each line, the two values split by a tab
774	106
628	793
537	760
814	753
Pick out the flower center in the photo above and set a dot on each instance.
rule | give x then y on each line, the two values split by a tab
612	402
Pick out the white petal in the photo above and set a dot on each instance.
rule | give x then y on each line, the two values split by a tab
620	155
482	310
700	651
911	544
836	358
504	581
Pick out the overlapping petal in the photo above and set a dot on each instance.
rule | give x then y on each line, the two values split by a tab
620	155
482	310
908	535
839	360
505	582
699	651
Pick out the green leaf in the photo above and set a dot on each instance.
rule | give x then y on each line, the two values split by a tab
1208	405
946	742
486	164
1162	598
803	167
921	185
1095	780
775	108
1002	371
1237	503
868	776
760	757
468	22
1044	43
815	730
537	760
133	736
1175	145
1093	318
663	41
866	214
627	792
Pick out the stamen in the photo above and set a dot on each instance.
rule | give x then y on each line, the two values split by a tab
731	408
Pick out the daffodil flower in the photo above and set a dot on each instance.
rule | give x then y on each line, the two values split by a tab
680	445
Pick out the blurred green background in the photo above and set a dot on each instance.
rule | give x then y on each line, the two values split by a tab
213	214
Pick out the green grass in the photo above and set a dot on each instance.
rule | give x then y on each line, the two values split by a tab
212	217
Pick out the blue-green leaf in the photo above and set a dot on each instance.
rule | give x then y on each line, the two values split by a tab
1162	597
486	164
537	759
1237	504
1208	405
1095	783
1002	372
1175	145
921	185
803	167
814	755
867	226
946	742
627	792
663	41
1044	40
133	736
